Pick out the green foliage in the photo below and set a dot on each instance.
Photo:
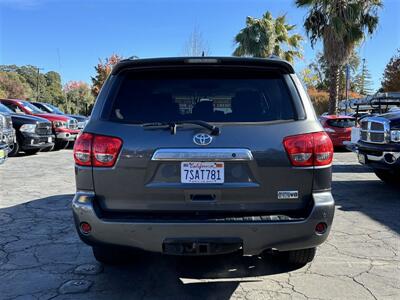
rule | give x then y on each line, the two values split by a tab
27	82
79	98
268	36
363	81
340	24
318	71
12	85
391	75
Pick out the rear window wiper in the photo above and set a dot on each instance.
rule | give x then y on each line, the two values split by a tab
214	130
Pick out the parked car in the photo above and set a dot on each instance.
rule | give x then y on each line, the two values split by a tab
338	128
3	147
32	133
64	128
378	146
7	130
49	108
203	156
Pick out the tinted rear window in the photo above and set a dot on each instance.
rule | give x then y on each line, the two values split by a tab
342	123
208	96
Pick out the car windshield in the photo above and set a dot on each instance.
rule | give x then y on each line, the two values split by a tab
5	109
31	108
342	123
210	97
52	108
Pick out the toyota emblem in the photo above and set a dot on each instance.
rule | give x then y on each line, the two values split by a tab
202	139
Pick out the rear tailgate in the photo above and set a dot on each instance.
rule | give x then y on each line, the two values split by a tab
256	171
137	182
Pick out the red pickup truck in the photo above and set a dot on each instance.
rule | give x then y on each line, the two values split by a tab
65	128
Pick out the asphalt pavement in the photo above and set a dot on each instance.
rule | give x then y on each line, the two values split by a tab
41	256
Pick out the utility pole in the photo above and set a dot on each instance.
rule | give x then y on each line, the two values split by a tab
37	83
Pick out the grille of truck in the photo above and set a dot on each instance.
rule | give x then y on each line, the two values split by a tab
375	130
43	129
72	124
7	122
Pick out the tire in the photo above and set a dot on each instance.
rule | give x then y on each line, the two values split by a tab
301	257
112	255
14	149
391	177
60	145
31	151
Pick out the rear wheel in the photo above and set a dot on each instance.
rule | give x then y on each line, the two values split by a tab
301	257
112	255
31	151
388	176
14	149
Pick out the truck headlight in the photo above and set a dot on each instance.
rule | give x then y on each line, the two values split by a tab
60	124
29	128
395	136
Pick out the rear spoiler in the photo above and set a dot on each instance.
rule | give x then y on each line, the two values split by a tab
273	63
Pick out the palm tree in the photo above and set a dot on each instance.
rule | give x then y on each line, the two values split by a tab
268	36
341	24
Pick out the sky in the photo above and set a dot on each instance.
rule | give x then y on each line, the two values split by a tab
71	36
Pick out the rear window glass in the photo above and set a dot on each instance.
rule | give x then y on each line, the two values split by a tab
211	97
342	123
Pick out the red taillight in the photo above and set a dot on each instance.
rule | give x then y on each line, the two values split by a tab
105	150
312	149
96	150
83	149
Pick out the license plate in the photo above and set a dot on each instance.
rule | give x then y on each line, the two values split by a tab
49	139
202	172
361	159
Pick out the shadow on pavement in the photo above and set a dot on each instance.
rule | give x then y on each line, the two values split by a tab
40	250
354	168
373	198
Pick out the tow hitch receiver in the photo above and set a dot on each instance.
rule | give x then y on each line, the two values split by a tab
202	246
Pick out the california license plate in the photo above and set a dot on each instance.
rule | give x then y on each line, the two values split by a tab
202	172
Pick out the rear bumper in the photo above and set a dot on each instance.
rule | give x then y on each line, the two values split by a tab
255	236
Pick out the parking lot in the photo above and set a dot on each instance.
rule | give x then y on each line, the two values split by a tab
41	256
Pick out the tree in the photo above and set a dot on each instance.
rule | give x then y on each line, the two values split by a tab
103	69
79	97
391	75
319	68
43	87
268	36
195	45
12	85
363	81
341	24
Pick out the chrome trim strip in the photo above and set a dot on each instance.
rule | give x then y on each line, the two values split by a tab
209	154
313	167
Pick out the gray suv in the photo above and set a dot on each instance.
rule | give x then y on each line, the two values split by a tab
203	156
